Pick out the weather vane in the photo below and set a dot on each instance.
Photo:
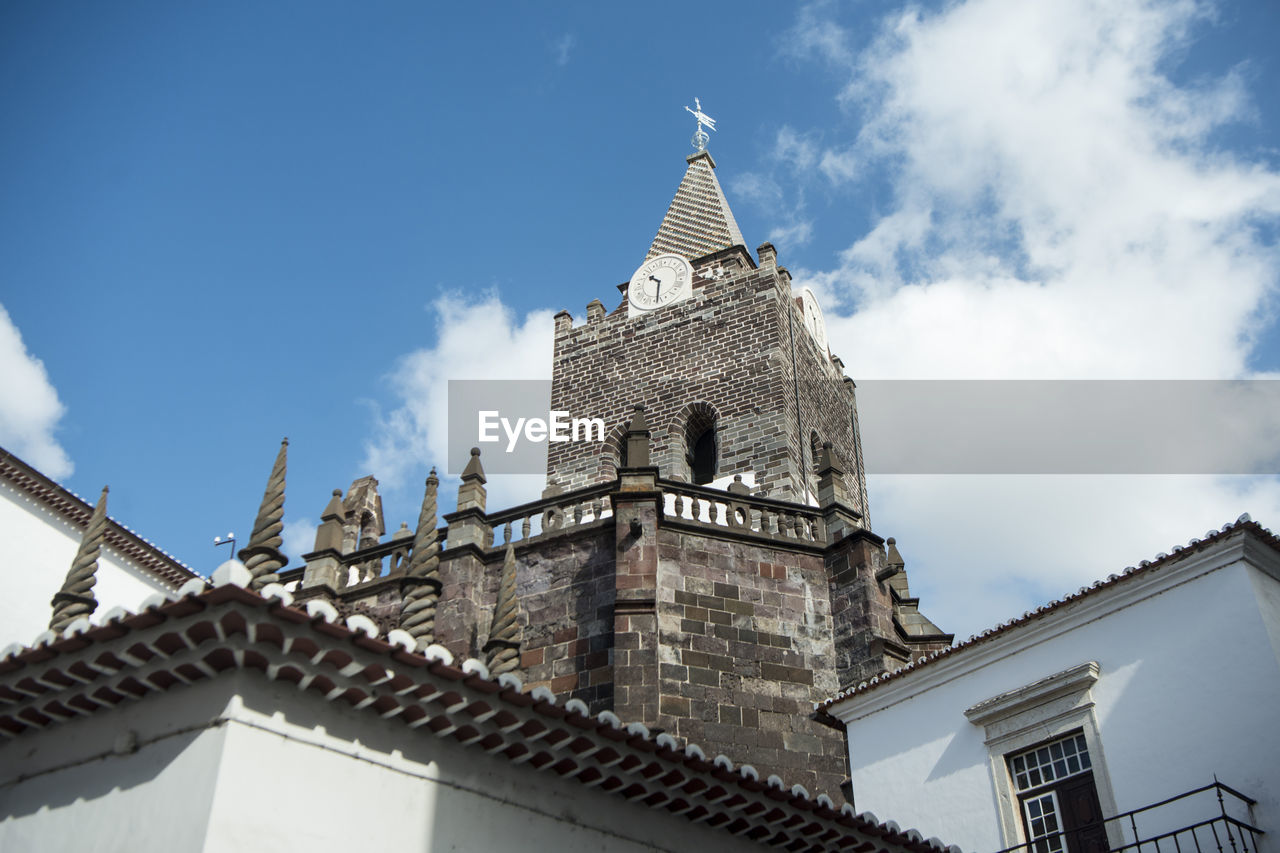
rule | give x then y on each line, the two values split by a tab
701	138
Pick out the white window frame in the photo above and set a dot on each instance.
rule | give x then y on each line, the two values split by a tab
1043	710
1056	837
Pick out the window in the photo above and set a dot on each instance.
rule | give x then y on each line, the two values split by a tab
703	464
1058	799
701	443
1046	764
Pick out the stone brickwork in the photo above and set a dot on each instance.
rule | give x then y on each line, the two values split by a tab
721	636
869	631
641	595
746	649
737	348
566	594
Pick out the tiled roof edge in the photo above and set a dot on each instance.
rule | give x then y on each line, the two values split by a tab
76	511
35	693
1243	524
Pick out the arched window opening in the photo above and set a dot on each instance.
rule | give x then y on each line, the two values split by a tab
614	457
702	446
368	530
703	465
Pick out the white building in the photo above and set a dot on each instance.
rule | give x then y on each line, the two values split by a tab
219	719
40	529
1138	689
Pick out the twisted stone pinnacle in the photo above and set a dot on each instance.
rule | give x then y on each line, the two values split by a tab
262	555
421	582
75	599
502	652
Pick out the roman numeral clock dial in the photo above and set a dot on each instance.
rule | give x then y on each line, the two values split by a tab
813	318
659	282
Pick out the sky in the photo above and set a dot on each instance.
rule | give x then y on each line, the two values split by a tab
223	224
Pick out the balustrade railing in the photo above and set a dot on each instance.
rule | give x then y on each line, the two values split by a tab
558	513
379	561
764	516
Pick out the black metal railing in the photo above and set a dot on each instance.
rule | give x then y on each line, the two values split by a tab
1147	830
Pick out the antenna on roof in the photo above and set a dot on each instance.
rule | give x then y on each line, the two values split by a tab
230	540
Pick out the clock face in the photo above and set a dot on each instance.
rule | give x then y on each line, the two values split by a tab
813	318
659	281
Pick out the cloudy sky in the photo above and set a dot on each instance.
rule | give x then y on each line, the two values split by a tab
224	224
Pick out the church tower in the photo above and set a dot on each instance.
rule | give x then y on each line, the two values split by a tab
729	360
711	575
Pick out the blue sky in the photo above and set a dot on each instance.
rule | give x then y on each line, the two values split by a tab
221	224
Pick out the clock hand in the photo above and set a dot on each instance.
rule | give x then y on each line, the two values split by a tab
657	285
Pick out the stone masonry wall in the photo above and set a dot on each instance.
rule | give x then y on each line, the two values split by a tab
827	412
746	649
731	345
566	590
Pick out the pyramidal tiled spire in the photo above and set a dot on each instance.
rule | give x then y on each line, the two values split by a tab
699	221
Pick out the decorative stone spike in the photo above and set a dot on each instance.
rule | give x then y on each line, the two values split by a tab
262	555
892	558
832	488
329	533
502	651
471	494
421	583
638	440
75	599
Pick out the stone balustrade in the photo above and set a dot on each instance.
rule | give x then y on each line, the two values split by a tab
550	515
764	516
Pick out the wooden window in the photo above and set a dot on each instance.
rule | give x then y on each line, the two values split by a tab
1058	797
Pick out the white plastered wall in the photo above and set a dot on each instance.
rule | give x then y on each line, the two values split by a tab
36	550
1188	686
242	764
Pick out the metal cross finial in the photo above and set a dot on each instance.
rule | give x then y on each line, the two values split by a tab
701	137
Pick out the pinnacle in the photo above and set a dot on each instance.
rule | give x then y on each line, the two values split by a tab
699	220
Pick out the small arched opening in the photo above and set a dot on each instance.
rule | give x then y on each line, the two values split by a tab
615	456
702	443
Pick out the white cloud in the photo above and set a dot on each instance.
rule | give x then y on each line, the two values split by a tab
480	339
755	187
796	233
983	549
1059	211
299	538
800	152
817	35
29	407
839	166
561	48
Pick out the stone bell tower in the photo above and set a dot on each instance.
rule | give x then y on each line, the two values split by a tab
712	574
732	367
